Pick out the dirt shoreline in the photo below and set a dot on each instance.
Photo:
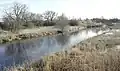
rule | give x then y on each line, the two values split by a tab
30	34
110	39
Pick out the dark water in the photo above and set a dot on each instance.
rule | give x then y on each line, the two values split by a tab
17	53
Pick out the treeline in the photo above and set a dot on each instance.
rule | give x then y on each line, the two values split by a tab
18	17
114	20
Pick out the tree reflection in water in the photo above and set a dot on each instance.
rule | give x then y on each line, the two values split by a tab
62	39
32	50
19	51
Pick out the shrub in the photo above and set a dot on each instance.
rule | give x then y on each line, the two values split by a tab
73	23
49	23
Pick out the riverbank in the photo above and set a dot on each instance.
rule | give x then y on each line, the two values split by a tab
33	33
99	53
110	39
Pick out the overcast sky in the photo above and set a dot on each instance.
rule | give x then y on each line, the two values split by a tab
76	8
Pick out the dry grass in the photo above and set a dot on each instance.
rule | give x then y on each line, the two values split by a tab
82	60
79	59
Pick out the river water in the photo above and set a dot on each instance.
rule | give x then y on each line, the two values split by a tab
17	53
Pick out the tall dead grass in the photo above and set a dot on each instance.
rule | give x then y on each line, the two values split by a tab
80	58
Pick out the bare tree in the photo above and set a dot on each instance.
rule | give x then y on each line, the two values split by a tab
62	25
37	19
15	15
62	17
49	16
34	18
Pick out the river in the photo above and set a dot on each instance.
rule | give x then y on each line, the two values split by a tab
31	50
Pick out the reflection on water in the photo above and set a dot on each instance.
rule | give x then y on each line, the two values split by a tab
18	52
62	40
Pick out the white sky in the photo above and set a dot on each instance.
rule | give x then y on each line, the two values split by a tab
76	8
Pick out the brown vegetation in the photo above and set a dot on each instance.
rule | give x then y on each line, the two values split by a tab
15	37
79	58
84	59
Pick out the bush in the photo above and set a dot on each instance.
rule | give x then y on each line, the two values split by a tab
73	23
49	23
29	25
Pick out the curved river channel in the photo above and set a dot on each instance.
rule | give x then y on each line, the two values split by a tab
18	52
